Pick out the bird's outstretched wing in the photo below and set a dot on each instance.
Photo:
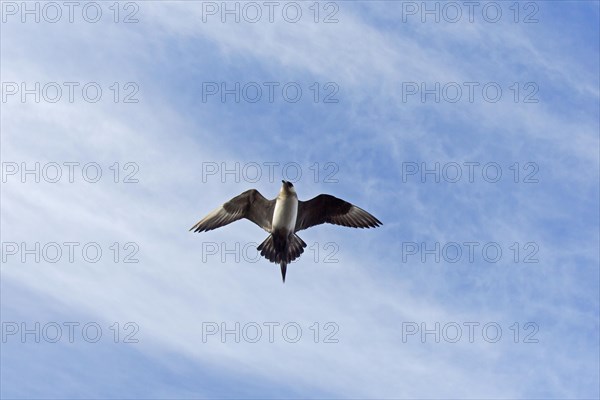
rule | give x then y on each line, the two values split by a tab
250	205
325	208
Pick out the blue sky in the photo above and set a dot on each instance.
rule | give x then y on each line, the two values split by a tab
378	285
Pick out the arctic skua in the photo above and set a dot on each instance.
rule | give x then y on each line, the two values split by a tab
283	216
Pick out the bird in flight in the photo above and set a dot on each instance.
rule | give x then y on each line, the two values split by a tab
283	216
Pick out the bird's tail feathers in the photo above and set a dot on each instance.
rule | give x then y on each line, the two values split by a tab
283	266
277	249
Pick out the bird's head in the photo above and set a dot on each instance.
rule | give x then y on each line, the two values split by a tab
287	188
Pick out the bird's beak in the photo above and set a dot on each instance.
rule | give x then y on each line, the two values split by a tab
282	181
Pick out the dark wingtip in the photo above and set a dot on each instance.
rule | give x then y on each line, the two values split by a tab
375	223
195	228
